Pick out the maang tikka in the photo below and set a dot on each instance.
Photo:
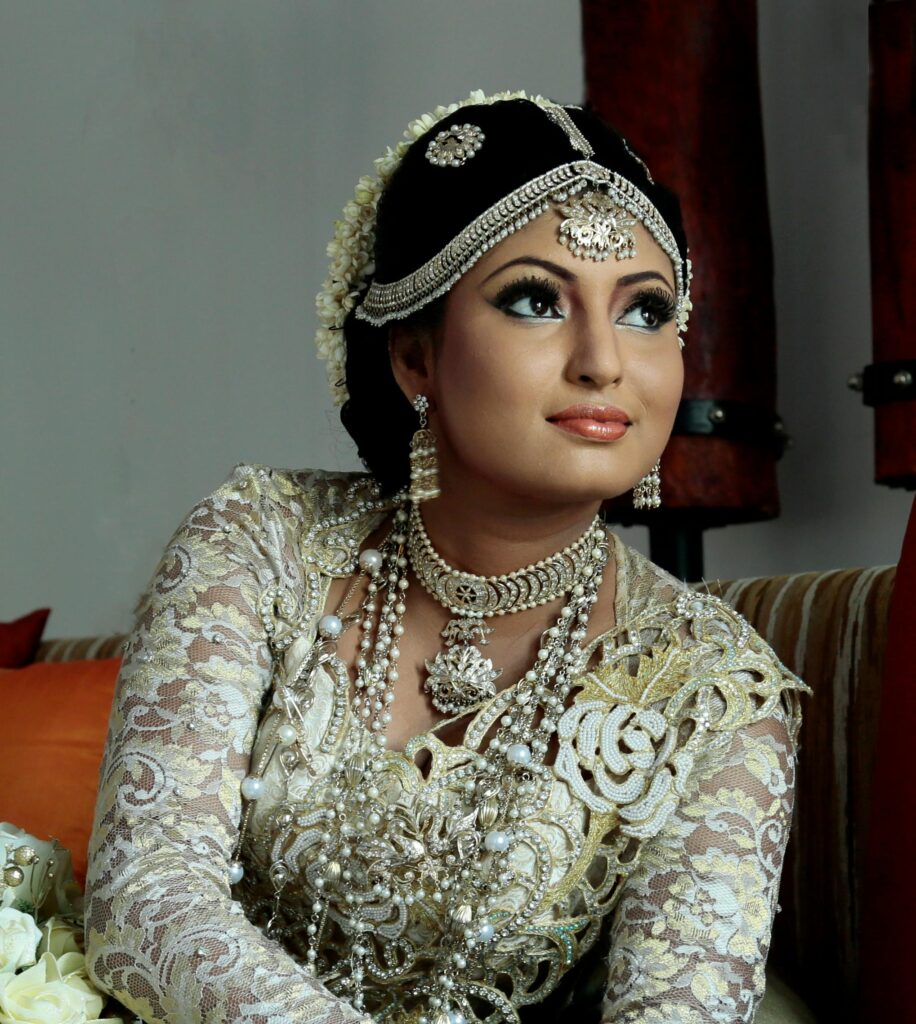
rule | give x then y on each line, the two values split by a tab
647	493
424	468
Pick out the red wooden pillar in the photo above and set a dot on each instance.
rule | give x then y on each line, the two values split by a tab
680	81
890	381
888	946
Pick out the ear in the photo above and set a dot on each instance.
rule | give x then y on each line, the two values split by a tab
411	353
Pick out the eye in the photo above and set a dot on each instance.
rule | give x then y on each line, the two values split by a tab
650	310
529	298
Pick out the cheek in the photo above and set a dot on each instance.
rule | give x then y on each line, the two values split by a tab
660	379
488	376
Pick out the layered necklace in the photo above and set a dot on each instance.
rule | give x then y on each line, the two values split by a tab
366	862
460	677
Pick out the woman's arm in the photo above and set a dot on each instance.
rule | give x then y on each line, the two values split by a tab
691	932
163	933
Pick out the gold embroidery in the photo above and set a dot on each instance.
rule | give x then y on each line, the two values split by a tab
669	808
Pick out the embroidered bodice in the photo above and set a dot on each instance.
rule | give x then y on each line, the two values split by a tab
665	818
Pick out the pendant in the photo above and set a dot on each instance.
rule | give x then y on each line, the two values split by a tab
460	677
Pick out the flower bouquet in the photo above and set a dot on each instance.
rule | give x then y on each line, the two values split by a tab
43	977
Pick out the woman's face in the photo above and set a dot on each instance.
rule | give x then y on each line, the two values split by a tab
555	378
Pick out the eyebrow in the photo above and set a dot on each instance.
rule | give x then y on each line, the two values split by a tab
567	275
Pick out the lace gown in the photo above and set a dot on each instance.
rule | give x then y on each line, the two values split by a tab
666	818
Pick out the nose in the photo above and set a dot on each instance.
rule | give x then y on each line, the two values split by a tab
595	352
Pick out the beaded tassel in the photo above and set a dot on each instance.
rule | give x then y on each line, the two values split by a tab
424	468
647	493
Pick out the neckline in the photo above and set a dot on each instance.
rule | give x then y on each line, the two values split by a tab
616	555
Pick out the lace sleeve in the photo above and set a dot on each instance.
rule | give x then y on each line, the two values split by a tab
691	932
163	933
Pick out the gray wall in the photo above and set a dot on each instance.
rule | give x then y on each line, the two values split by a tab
170	175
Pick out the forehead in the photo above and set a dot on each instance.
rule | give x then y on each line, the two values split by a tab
541	238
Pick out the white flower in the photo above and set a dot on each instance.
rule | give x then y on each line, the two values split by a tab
59	937
19	938
52	992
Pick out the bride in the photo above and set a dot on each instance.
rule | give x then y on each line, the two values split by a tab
429	743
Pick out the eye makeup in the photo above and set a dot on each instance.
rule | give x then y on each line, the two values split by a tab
541	293
536	298
657	306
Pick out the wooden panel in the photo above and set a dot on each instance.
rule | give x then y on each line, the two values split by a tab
892	191
680	81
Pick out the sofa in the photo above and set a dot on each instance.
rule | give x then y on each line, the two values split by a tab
829	627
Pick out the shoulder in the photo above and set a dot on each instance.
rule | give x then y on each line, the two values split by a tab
316	487
264	511
316	517
300	496
714	656
683	679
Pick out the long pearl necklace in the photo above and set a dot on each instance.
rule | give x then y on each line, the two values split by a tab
464	876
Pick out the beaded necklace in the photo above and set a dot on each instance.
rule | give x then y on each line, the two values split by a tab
460	677
364	862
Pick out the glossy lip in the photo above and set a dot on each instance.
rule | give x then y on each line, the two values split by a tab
593	422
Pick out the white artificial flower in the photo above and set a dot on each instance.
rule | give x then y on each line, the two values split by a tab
59	937
19	938
52	992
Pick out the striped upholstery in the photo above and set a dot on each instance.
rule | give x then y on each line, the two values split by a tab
830	628
84	648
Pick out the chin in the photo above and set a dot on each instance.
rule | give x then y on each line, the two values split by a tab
565	485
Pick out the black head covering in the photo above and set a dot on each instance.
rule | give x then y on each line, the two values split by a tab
425	206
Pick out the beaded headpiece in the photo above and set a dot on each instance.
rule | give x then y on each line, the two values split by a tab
464	178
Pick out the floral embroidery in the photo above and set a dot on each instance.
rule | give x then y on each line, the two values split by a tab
667	819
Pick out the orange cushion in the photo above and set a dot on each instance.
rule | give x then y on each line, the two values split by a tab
55	720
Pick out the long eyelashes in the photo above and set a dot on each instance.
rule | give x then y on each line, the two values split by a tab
656	304
542	294
537	298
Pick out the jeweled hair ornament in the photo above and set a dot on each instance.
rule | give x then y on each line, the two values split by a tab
463	179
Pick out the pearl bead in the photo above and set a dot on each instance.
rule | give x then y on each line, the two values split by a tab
496	841
252	787
286	734
236	872
330	626
519	753
370	560
485	932
455	1017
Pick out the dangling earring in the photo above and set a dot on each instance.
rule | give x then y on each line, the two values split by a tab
647	493
424	469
